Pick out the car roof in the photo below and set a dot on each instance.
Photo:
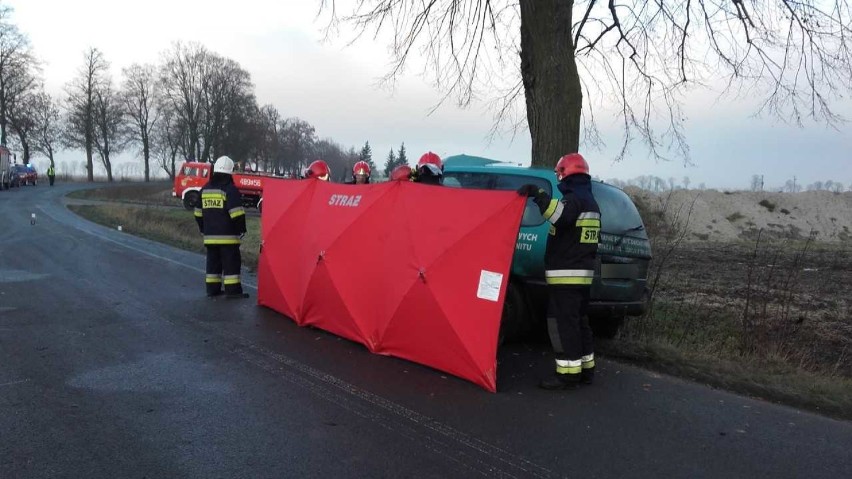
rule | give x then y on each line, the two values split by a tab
478	164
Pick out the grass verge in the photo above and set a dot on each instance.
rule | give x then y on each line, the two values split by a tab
710	357
170	226
154	193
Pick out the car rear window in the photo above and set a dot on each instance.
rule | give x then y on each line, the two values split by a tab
500	181
618	213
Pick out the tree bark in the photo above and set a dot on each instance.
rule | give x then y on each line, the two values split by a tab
551	83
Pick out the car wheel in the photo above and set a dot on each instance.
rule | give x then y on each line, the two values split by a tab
606	326
514	313
191	200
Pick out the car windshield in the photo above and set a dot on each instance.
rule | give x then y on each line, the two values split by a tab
501	181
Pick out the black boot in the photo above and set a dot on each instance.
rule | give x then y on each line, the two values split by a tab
236	295
560	381
587	376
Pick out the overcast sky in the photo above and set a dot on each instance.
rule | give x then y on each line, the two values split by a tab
333	86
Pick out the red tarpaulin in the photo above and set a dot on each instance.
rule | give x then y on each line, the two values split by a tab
409	270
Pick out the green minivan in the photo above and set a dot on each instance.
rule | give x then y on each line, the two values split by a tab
620	285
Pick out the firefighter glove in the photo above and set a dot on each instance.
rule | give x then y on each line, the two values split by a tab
528	190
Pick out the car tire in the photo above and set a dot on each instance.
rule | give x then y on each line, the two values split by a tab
606	326
191	200
515	313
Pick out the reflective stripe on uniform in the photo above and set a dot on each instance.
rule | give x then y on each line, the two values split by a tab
232	279
212	194
221	239
234	212
198	212
554	211
564	366
589	219
214	278
569	276
588	361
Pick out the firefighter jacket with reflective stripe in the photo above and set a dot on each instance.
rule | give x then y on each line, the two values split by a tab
220	216
575	224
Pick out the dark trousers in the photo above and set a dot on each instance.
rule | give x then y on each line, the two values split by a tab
223	267
51	178
567	322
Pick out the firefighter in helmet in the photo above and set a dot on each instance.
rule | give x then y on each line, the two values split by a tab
429	170
222	220
401	173
569	269
319	170
360	173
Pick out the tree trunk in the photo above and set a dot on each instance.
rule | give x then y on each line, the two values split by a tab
108	166
25	145
146	153
551	82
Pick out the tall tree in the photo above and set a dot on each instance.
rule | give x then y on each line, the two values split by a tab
47	135
80	105
401	157
181	82
21	117
366	154
390	163
109	120
169	138
139	102
297	138
16	64
645	55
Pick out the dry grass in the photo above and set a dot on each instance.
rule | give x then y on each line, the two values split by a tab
154	193
166	225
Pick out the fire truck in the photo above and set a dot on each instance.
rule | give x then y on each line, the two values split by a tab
194	175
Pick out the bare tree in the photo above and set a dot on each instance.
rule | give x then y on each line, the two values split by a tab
756	182
21	116
80	105
48	131
169	136
138	98
181	81
268	146
109	119
16	65
646	55
686	182
297	139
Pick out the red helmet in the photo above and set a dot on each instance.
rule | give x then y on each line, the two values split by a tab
430	159
401	173
571	164
361	168
318	169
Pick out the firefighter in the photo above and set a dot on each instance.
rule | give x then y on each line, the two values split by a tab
429	170
51	174
401	173
222	220
572	245
360	173
319	170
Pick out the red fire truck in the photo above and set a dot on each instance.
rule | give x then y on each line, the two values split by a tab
193	175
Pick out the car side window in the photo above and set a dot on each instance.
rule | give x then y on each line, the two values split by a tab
532	215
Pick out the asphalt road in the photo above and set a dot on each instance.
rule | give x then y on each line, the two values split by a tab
114	364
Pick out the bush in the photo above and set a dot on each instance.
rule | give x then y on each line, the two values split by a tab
768	205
